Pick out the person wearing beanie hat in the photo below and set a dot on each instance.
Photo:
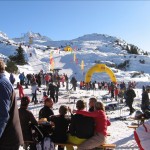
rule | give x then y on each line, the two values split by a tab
26	117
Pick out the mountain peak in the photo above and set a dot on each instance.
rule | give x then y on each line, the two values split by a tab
34	36
96	37
3	36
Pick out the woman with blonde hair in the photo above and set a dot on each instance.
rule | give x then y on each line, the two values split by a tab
101	123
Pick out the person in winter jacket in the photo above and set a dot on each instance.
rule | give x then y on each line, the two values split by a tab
47	79
26	118
34	89
21	77
142	136
21	92
46	111
61	123
81	127
116	92
12	79
145	99
10	130
130	95
74	83
101	123
51	91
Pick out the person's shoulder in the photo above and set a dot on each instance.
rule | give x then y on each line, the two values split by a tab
29	112
42	109
78	116
55	116
51	111
5	82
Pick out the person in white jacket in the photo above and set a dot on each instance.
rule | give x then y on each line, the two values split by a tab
142	136
34	89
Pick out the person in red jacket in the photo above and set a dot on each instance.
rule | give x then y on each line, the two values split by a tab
101	123
116	92
21	93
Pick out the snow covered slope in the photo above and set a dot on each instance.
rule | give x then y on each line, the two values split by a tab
91	48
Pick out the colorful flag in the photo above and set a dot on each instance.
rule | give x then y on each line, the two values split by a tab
74	58
51	61
75	48
82	65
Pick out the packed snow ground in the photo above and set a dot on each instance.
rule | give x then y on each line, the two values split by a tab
121	135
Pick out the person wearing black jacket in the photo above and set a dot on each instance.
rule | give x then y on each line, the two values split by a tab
81	127
130	95
145	99
74	83
46	111
26	118
61	123
51	91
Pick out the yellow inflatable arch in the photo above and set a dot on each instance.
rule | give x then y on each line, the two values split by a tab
98	68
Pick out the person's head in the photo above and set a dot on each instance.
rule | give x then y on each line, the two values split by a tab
99	106
48	102
63	110
2	66
92	102
80	105
25	101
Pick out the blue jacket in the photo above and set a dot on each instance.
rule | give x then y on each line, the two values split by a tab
5	101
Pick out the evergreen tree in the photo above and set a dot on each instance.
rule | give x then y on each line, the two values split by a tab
133	50
19	58
146	53
11	67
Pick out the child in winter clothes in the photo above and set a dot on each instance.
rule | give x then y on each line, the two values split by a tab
21	92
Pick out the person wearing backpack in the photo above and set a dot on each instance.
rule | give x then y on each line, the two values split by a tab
61	123
26	118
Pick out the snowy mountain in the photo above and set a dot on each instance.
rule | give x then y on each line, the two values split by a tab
91	48
34	37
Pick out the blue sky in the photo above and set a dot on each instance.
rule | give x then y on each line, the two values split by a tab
66	20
